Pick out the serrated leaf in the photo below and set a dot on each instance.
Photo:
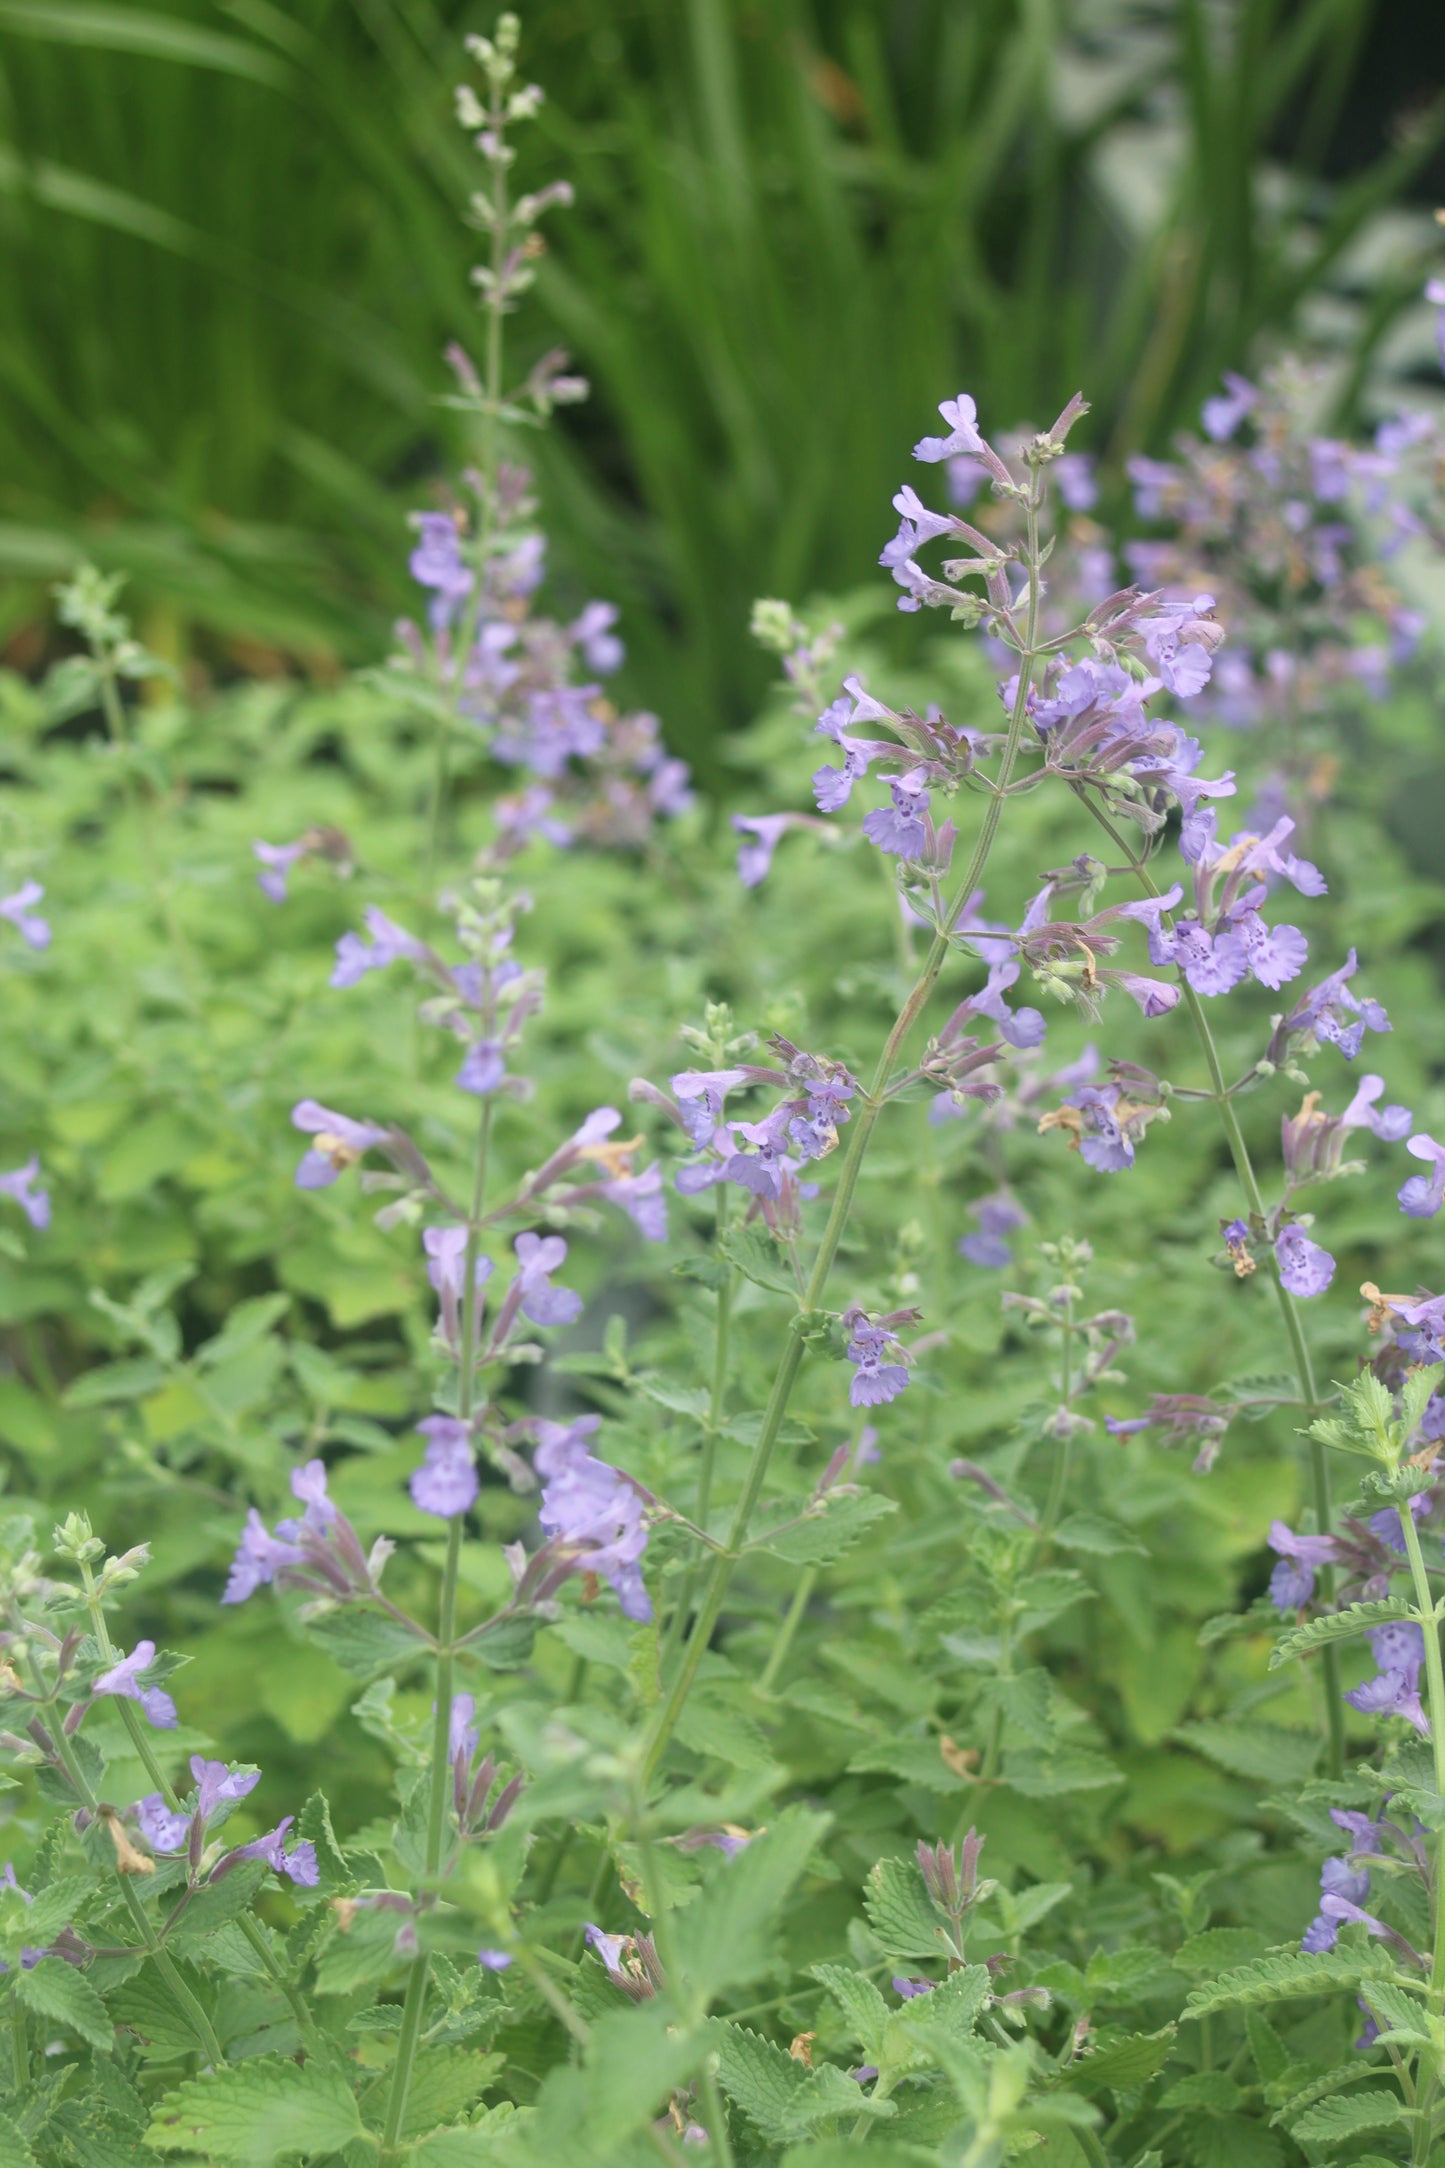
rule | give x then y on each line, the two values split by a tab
315	1827
144	2008
1202	2089
1400	2016
1231	2141
49	1910
363	1642
110	1383
1271	2056
1124	2063
1266	1753
1051	1776
1092	1532
1026	1700
1323	2087
444	2081
899	1911
864	2010
759	1259
1282	1979
728	1934
256	2113
840	1519
1219	1949
57	1990
1331	2122
1357	1618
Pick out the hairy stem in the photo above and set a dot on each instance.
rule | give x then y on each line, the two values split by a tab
1289	1309
861	1129
414	2003
677	1624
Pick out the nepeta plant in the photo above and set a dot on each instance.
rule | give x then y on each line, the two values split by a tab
588	1629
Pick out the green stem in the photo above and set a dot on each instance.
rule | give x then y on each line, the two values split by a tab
1435	1682
195	2016
414	2002
802	1596
1062	1457
707	1460
1289	1309
861	1129
19	2047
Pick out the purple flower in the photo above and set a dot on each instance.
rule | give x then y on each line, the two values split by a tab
1390	1124
963	438
389	944
216	1782
1399	1650
436	562
538	1257
901	828
874	1381
35	931
259	1556
277	859
1332	1014
123	1679
602	651
908	1988
1388	1527
495	1960
298	1860
589	1505
1223	414
1293	1581
446	1483
20	1184
1273	953
446	1253
1074	480
755	858
1342	1892
997	1217
339	1143
1422	1195
1304	1268
162	1830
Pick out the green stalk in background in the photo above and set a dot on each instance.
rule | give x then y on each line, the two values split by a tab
860	1131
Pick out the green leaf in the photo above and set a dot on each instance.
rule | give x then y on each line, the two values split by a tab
759	1259
57	1990
256	2113
444	2081
831	1526
1330	2082
1356	1618
1051	1776
144	2010
759	2076
728	1934
1091	1532
1402	2018
1332	2122
1271	2056
1202	2089
900	1912
1283	1979
1219	1949
110	1383
1026	1700
315	1827
1125	2062
1265	1753
50	1909
363	1642
1231	2141
864	2010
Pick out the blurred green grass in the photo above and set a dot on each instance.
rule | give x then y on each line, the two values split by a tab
232	246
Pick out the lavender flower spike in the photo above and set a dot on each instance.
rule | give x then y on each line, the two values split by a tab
589	1505
122	1679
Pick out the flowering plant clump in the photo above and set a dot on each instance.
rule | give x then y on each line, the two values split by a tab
560	1616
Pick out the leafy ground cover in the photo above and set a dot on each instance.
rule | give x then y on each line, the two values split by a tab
691	1475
